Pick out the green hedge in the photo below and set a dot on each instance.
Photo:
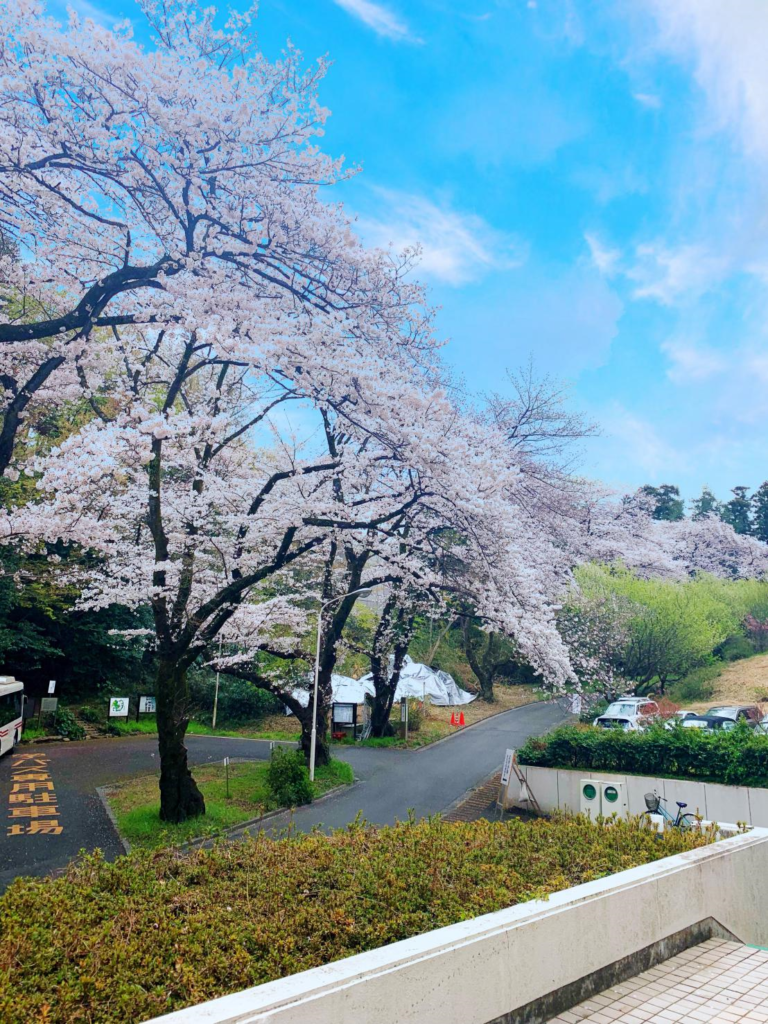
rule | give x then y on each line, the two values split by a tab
154	932
737	758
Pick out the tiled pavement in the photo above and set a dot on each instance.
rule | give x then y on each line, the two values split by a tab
716	981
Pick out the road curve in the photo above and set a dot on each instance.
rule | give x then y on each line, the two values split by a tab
390	783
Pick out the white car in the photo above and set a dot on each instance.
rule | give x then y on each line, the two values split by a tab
628	713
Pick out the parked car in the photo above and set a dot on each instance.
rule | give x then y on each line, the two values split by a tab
736	712
708	722
679	717
628	713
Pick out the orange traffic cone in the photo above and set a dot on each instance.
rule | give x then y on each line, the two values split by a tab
461	718
453	718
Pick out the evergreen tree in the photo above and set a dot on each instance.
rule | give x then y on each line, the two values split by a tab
760	512
738	511
668	503
705	504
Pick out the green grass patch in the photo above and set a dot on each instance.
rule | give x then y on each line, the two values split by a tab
136	803
32	732
154	932
146	725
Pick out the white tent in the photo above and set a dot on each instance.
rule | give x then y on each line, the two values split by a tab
345	691
427	683
416	680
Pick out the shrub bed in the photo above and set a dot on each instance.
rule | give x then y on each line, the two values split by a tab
153	932
737	758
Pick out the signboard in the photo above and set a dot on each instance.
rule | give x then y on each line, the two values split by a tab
226	762
404	710
344	714
575	704
147	706
49	703
52	686
506	771
118	707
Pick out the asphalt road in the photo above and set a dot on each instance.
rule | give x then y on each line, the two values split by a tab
67	815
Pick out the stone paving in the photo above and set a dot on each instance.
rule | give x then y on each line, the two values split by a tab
717	981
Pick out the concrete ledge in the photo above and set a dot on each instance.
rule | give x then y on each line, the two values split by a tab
489	968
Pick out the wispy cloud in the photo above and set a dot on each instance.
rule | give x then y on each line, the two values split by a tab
725	42
603	257
381	19
691	362
647	99
668	274
455	247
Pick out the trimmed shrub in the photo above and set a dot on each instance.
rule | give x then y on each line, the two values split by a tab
288	778
153	932
736	758
67	725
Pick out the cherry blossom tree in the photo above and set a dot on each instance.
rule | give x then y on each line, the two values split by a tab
173	185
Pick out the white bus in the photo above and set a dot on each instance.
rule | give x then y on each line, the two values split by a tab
11	712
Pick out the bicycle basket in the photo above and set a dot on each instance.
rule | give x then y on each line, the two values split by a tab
652	801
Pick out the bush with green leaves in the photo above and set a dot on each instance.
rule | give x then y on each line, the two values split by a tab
735	758
239	701
89	714
65	724
153	932
288	778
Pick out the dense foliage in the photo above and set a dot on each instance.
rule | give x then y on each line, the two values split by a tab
288	778
152	933
737	758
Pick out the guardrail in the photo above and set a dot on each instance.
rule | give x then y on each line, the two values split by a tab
534	959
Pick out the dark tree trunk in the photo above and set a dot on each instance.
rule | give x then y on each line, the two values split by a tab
322	747
179	796
382	708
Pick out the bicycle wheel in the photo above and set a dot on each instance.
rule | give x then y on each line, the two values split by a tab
688	821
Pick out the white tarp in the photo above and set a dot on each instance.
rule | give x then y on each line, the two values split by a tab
345	691
421	681
416	680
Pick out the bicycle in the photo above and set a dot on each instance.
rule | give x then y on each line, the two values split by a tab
683	821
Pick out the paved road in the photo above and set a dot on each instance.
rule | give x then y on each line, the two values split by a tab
391	782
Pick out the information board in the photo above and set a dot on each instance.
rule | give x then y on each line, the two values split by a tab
118	707
147	706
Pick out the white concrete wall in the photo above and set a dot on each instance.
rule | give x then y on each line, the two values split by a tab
475	971
559	789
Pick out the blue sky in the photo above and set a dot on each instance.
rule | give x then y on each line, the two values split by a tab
587	181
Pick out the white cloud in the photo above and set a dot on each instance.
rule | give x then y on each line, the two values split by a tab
646	99
692	362
378	17
455	247
604	258
669	274
726	42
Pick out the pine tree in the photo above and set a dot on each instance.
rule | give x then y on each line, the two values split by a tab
738	511
705	504
668	503
760	512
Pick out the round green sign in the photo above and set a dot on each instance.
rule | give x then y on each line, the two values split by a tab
589	791
611	794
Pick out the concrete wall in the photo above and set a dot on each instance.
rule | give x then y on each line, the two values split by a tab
477	971
556	788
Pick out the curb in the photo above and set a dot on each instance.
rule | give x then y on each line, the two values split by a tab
101	792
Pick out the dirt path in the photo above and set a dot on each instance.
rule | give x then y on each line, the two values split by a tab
742	682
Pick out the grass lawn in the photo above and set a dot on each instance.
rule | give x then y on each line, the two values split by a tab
150	933
273	727
136	803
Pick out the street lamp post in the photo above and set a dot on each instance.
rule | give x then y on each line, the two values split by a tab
326	604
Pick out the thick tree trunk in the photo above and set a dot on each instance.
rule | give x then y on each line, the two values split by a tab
380	712
486	688
179	796
322	747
